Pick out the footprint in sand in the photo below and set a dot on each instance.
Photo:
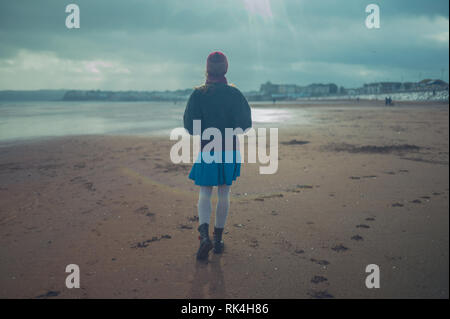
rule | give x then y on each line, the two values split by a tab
339	248
253	243
370	219
261	198
362	226
323	294
50	293
89	186
416	201
183	226
318	279
193	218
145	243
357	238
397	205
320	262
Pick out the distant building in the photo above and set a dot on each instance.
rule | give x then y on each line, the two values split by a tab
294	91
382	87
429	84
321	89
268	88
354	91
409	86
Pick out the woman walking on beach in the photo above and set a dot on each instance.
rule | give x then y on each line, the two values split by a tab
217	105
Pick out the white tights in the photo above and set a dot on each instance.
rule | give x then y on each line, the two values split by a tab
223	203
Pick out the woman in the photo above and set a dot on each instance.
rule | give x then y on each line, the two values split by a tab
217	105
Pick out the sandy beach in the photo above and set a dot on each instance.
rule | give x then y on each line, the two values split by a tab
355	186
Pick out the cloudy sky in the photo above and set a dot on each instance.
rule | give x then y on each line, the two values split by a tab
163	44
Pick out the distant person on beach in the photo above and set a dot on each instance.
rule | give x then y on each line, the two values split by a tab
388	101
218	105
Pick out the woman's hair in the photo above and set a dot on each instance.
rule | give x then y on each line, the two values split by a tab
204	87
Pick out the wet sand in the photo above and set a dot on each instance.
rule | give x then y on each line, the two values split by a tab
355	186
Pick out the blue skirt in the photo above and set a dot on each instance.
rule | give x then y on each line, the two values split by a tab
209	170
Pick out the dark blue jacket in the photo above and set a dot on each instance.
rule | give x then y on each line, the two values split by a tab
217	105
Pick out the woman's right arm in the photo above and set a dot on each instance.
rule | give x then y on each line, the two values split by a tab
191	113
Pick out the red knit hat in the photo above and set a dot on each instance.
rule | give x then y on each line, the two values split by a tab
217	63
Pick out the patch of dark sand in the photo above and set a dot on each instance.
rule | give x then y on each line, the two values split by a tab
362	226
49	294
145	243
170	167
298	188
183	226
253	243
371	149
416	201
323	294
397	205
89	186
357	238
294	142
320	262
339	248
193	218
143	210
318	279
423	160
261	198
370	219
79	165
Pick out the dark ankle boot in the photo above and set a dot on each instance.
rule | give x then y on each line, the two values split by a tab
218	242
205	243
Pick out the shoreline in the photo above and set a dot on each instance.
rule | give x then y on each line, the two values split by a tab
346	104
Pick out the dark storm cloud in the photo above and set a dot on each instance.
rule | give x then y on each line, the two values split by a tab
146	44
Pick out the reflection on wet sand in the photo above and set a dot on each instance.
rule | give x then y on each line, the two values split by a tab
208	281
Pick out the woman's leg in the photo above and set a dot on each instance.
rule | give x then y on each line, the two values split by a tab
223	204
204	215
204	204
